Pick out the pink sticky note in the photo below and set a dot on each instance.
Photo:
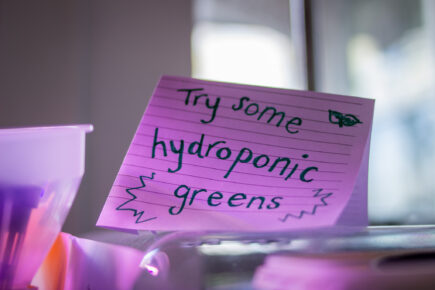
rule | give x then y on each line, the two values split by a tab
219	156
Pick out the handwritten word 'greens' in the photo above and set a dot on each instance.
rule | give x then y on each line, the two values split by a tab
216	199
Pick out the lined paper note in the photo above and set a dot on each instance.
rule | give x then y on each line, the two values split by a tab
219	156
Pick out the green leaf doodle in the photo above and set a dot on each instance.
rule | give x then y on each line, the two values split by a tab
347	120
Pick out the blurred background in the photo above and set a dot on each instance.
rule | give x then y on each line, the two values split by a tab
82	61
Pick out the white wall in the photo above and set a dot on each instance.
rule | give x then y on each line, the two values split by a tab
77	61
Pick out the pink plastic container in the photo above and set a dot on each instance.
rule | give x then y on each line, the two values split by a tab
40	172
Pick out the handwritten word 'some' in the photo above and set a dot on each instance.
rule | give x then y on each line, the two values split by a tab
218	156
245	106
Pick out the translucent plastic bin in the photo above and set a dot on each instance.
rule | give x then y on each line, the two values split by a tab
40	172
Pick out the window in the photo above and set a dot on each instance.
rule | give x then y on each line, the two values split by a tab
381	49
245	41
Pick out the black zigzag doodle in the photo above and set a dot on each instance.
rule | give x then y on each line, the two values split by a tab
135	211
322	196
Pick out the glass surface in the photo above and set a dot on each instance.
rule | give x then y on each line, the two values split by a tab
342	257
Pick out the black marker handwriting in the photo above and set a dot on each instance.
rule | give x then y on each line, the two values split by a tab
322	196
347	120
137	213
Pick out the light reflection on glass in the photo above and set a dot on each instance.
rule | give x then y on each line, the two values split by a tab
243	53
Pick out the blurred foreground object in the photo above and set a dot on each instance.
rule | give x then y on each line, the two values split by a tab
75	263
40	171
